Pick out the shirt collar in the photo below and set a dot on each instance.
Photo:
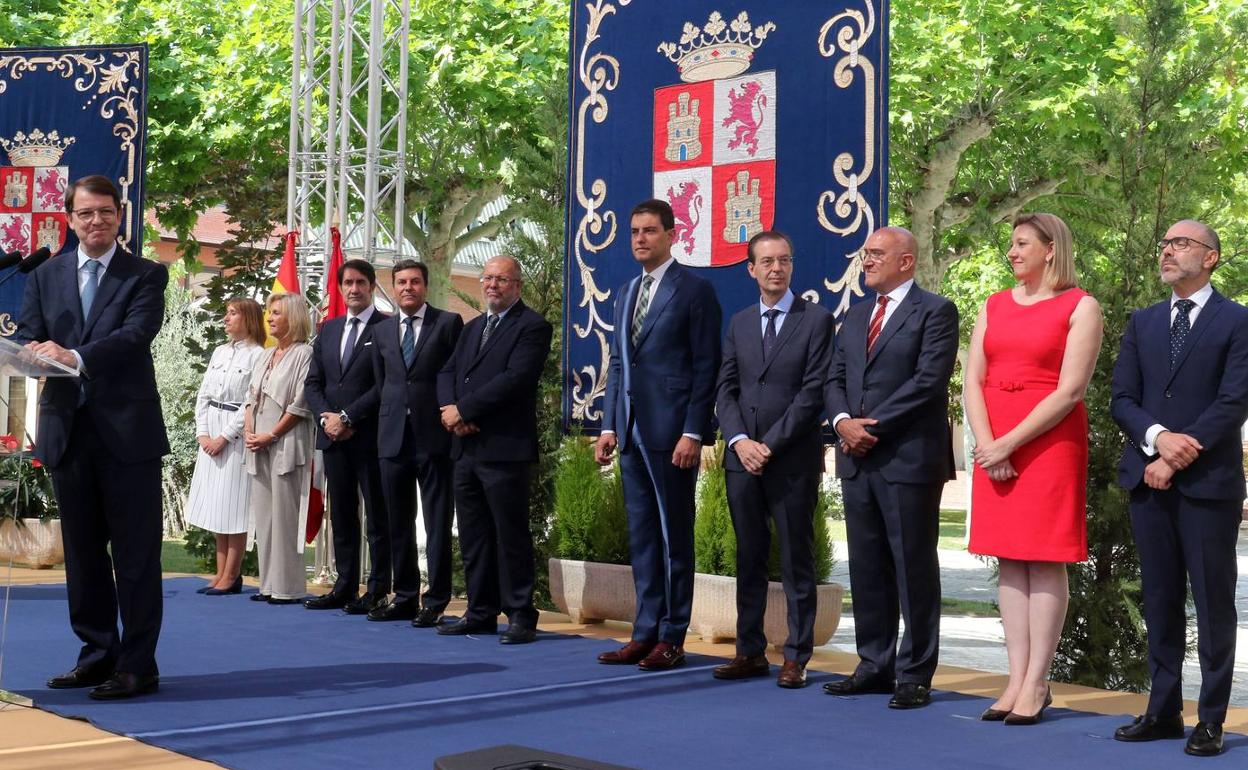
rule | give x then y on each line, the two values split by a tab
1200	296
785	305
660	271
104	260
502	313
420	313
363	315
898	294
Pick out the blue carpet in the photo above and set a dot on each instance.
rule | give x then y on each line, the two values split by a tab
249	685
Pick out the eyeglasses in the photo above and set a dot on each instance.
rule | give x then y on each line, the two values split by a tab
501	280
87	215
767	263
1180	243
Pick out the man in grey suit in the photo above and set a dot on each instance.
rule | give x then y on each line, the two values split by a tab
888	394
769	405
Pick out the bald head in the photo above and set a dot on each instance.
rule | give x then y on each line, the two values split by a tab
500	283
903	239
888	259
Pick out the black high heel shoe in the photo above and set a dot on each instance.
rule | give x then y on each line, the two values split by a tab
994	715
235	588
1018	719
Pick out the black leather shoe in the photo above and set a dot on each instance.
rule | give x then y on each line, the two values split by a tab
859	685
910	695
427	618
365	604
259	597
122	685
1147	727
395	611
80	677
518	634
330	601
276	600
1205	740
464	626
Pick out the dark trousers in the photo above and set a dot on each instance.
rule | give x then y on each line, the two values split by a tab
400	476
351	470
1179	538
492	504
104	501
659	498
790	501
892	530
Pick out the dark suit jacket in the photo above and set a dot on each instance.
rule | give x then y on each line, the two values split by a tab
115	343
1204	396
330	388
495	387
666	383
904	384
409	395
778	401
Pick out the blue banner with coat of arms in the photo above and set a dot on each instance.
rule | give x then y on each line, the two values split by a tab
66	113
745	116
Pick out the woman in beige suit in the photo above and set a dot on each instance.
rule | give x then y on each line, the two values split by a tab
280	436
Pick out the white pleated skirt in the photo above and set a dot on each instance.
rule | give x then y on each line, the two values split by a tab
220	488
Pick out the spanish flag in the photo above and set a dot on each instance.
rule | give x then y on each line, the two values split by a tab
286	282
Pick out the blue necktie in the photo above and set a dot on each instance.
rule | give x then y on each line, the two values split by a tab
351	338
1182	325
89	288
409	341
769	336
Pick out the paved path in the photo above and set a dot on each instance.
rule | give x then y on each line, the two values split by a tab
980	643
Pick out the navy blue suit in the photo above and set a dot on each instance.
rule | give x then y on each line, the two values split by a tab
777	400
1190	529
495	388
351	466
892	495
657	390
413	448
102	438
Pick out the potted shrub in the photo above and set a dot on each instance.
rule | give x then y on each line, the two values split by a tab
590	580
714	615
30	532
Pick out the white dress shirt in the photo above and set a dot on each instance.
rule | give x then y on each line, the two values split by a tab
419	324
104	261
1200	297
363	315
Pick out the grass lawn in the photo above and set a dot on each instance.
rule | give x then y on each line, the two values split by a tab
174	557
952	530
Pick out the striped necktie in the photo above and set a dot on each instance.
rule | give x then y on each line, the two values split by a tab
643	306
877	322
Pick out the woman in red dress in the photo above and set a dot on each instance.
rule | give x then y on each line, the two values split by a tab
1032	354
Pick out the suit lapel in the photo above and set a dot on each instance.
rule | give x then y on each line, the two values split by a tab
667	288
365	335
797	312
504	326
895	322
118	272
1203	321
69	288
426	330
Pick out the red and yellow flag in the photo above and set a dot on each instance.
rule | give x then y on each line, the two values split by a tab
286	282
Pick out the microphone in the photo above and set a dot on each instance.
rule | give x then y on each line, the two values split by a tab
10	259
35	260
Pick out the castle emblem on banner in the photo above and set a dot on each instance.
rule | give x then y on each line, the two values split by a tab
32	209
714	154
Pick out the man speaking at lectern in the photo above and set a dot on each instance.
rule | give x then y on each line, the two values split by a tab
102	437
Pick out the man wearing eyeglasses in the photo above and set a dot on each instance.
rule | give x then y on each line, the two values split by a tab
488	395
1180	394
102	436
770	406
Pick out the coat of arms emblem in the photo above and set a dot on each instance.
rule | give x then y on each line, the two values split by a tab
32	206
714	154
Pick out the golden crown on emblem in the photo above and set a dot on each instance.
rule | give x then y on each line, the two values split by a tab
37	148
717	50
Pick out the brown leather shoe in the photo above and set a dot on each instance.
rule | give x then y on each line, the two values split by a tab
663	657
792	675
628	655
743	667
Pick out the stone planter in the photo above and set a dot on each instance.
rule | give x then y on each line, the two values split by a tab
590	592
715	610
32	542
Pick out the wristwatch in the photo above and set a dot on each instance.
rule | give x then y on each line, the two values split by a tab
345	419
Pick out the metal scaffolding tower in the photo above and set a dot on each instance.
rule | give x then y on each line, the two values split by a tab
348	130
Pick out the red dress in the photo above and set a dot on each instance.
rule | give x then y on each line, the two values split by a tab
1040	515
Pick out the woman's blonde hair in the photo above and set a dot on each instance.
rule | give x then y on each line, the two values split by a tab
1059	273
296	312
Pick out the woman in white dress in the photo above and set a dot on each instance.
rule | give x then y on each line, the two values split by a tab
280	437
219	488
